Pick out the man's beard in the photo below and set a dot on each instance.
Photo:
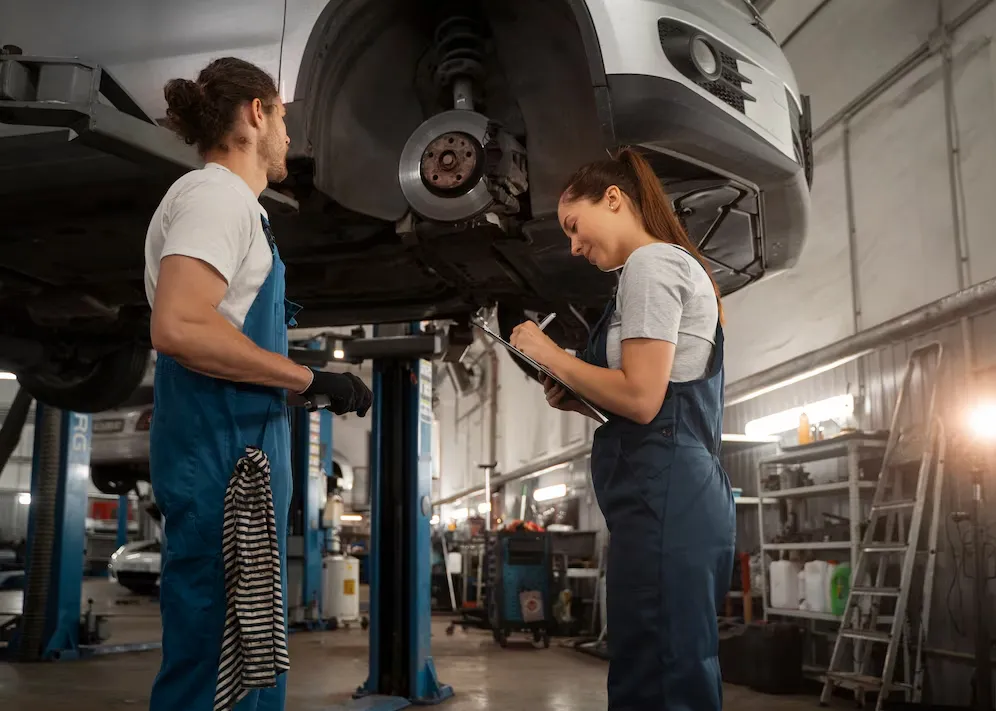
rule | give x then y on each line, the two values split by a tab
277	172
275	157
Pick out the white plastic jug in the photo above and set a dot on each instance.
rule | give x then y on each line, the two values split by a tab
784	578
817	585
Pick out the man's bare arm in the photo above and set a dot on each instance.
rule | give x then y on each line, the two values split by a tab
186	326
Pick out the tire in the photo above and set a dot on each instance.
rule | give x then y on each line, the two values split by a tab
334	624
109	382
114	480
364	623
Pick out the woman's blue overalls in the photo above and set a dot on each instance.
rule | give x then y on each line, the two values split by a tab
200	429
670	514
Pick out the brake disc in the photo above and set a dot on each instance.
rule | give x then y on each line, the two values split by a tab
441	170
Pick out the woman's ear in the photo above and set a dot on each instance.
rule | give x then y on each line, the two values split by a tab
613	197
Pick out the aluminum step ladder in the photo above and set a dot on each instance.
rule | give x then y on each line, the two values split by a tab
893	534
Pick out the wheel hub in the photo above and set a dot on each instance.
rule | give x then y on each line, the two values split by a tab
449	163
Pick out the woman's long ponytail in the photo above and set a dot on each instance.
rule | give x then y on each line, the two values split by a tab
658	215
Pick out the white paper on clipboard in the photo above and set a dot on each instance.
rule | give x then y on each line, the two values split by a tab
594	411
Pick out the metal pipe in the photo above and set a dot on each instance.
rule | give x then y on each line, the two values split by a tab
494	384
805	21
965	303
904	67
551	461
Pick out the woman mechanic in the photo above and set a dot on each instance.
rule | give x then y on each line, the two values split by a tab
655	362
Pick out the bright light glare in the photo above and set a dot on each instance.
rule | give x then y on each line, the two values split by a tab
830	409
459	514
557	491
24	499
351	517
434	520
982	421
7	376
338	354
483	508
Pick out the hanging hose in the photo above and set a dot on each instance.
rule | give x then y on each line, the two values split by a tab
43	503
13	425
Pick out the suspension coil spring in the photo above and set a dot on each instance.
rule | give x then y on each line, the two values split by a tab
459	51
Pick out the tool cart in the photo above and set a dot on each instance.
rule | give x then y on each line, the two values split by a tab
519	598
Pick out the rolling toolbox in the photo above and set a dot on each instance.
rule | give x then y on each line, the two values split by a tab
520	598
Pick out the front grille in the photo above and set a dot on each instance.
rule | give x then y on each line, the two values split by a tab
729	87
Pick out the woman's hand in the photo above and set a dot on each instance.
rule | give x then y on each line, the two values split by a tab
529	339
557	397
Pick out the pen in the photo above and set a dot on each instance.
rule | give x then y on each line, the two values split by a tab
547	321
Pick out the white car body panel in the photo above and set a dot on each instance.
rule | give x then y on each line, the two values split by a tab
627	36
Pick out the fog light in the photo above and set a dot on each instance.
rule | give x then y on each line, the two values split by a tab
705	58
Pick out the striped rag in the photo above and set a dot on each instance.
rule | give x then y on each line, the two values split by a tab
254	646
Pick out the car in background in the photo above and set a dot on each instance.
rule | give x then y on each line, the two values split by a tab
137	566
430	141
119	450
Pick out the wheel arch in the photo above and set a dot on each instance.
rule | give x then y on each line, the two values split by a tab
338	64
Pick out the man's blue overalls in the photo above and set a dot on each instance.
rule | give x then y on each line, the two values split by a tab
670	513
200	429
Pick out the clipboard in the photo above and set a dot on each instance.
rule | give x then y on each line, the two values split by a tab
594	411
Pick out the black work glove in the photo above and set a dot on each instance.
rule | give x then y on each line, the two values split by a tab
339	392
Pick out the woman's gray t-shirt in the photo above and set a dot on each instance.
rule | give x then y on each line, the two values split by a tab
665	295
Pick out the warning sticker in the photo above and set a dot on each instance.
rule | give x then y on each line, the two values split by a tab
348	587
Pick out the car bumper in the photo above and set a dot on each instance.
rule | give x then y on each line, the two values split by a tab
666	116
120	449
643	99
629	35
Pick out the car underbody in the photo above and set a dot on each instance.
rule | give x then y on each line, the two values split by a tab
426	163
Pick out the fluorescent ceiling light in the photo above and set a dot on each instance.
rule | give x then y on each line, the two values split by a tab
830	409
795	379
434	520
7	376
351	517
483	508
547	493
24	499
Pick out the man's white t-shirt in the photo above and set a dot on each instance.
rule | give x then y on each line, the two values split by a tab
213	215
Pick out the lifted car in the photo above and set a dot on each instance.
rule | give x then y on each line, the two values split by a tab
430	141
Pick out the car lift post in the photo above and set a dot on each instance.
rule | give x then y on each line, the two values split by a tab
402	672
312	450
50	624
122	520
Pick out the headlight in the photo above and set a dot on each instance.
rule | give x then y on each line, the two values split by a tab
116	553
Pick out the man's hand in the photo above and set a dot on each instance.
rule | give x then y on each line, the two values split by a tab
345	392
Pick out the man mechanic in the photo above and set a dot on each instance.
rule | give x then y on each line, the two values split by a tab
215	282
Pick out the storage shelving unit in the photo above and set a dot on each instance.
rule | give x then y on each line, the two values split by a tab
857	449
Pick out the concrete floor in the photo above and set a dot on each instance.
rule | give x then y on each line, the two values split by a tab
326	667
